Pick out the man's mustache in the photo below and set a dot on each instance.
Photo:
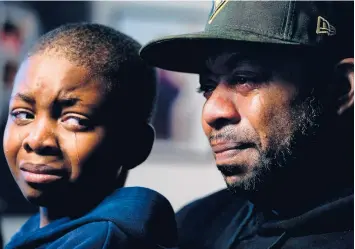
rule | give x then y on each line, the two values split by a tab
229	134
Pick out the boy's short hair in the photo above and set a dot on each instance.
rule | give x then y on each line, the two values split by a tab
110	55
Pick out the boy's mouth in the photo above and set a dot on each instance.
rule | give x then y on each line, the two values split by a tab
40	173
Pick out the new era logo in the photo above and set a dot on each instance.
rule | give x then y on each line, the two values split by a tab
216	8
324	27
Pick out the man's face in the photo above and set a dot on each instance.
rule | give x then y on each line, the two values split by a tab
253	115
54	131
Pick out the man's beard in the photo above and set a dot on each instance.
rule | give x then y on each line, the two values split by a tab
282	152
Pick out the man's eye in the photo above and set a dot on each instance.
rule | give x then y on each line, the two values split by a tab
22	117
207	88
76	123
240	79
246	83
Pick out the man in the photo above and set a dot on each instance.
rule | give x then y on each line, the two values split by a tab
74	131
278	81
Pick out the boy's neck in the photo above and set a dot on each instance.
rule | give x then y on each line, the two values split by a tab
76	208
44	218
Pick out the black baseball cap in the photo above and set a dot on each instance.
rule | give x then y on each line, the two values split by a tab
258	26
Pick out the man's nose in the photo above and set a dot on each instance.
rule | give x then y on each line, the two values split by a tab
220	108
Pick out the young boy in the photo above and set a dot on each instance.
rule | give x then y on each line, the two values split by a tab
78	121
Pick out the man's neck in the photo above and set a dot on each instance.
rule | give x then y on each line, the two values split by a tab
305	186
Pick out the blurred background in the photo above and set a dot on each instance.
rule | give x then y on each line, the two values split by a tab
181	166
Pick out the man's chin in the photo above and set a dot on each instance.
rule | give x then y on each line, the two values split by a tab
246	177
242	182
233	180
235	176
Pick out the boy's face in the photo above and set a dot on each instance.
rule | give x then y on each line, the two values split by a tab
54	134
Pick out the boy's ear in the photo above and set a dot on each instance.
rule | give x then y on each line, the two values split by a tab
137	148
344	86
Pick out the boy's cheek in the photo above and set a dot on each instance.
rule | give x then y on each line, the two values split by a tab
12	144
79	148
72	153
11	151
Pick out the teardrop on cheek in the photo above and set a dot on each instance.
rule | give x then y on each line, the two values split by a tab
76	149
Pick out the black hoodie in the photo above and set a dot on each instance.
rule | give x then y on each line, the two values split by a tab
222	221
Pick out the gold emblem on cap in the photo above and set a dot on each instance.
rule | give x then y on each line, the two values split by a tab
324	27
217	7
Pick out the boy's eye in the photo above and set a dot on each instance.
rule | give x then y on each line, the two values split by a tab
22	117
76	123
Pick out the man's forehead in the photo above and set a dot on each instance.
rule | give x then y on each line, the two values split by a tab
261	59
227	61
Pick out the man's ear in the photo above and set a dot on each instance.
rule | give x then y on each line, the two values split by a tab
137	149
344	85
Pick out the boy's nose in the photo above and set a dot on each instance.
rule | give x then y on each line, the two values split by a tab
42	138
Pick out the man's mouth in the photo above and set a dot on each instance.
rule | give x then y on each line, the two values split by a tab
222	147
226	150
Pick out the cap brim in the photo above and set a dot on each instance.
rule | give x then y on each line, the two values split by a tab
188	52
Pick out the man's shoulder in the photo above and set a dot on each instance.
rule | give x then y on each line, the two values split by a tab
216	210
212	203
211	200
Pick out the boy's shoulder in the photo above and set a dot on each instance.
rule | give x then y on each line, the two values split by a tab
96	234
127	217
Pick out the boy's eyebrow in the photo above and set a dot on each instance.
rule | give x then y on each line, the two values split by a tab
64	101
24	97
68	101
